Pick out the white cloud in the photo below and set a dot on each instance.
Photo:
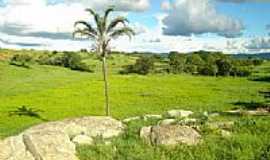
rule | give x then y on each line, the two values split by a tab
39	25
121	5
37	19
189	17
43	25
260	43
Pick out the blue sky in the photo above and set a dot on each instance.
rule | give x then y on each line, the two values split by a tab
163	25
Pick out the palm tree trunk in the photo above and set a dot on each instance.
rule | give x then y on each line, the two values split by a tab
104	65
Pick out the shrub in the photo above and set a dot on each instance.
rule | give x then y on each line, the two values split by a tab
21	60
209	70
240	71
144	65
74	61
257	62
67	59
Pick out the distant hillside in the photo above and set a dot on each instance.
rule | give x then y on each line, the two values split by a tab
258	55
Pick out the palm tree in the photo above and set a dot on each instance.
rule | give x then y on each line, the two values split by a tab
102	34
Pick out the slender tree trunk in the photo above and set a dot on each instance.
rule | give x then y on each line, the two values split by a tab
104	66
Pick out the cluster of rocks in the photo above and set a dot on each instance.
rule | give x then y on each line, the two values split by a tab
178	127
171	130
57	140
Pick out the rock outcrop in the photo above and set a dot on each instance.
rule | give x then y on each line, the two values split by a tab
57	140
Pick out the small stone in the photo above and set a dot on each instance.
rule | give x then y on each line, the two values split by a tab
179	113
82	140
131	119
214	115
152	116
167	121
107	143
225	133
220	125
188	121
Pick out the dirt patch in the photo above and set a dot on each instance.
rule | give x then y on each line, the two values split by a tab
3	57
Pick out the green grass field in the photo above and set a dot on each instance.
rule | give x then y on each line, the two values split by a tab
61	93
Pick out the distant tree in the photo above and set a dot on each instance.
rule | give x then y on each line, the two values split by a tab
190	69
83	50
257	62
195	59
102	34
209	70
224	67
176	62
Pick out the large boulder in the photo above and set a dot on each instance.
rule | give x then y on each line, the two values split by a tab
50	145
57	140
104	127
170	135
13	148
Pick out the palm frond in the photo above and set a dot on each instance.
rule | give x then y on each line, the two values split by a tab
84	32
95	15
115	22
87	25
125	31
107	12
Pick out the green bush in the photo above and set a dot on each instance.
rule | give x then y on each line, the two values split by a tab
209	70
144	65
240	72
224	67
21	60
67	59
74	61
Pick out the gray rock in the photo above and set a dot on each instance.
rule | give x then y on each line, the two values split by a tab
179	113
52	140
50	145
170	135
13	148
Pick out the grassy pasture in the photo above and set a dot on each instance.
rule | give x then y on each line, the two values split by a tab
62	93
59	93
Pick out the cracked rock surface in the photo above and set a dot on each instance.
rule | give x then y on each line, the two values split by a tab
53	140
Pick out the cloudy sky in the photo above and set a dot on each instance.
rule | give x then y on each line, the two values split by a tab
232	26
